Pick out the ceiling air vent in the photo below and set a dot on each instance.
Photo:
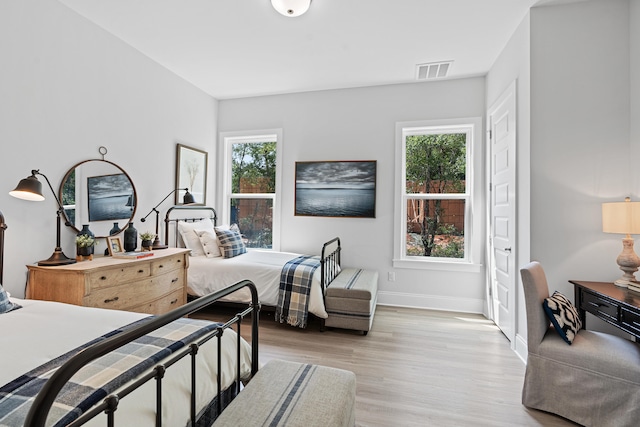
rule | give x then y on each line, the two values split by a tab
432	70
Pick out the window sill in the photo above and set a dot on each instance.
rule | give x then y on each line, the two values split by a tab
438	265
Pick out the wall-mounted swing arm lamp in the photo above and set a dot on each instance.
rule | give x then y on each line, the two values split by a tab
187	199
31	189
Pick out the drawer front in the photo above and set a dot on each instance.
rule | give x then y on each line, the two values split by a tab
118	276
599	307
162	266
134	294
162	305
631	321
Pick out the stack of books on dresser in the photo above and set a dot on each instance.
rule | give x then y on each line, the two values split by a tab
133	254
635	287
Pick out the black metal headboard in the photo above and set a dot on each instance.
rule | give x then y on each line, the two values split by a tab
3	227
185	213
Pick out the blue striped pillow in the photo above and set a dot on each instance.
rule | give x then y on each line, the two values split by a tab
231	243
5	304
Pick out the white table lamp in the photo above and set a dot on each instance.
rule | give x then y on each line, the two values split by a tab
624	218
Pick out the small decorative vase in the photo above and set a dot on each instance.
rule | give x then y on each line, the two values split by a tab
146	245
130	238
86	232
115	229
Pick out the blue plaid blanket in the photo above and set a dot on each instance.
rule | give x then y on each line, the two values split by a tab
295	285
99	378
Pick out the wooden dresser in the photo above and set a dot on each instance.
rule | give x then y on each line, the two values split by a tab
153	285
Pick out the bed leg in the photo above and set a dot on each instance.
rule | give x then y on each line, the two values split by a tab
322	326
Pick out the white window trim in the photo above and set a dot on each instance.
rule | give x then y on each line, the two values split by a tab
473	227
228	139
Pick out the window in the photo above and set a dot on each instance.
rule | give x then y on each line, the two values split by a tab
435	182
251	187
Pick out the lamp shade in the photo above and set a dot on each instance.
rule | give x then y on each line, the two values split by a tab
28	189
291	8
188	198
621	217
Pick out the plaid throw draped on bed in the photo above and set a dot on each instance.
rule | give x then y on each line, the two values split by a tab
295	285
99	378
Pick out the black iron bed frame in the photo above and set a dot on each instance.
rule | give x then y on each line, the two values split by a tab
41	406
329	258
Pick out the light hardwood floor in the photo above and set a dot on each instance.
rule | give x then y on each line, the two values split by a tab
415	367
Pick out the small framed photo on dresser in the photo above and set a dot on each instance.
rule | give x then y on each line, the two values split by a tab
114	243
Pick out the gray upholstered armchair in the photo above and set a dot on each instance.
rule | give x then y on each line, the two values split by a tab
595	381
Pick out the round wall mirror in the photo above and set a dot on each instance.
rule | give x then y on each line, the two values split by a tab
100	194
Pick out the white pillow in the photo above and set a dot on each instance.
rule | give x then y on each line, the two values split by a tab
210	243
188	232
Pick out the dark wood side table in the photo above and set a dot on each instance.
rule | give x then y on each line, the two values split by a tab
617	306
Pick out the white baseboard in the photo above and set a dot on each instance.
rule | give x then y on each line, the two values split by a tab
431	302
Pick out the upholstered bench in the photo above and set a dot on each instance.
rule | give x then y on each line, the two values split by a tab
294	395
350	299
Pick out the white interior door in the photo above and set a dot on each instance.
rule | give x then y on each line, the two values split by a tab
502	188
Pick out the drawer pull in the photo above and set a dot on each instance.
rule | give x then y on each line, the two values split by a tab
596	305
175	280
103	278
107	301
160	266
174	301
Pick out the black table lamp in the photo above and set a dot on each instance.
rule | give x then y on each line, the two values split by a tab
187	199
31	189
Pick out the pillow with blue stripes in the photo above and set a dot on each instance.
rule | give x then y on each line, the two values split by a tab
5	303
231	243
564	316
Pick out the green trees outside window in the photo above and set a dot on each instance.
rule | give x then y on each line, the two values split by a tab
435	179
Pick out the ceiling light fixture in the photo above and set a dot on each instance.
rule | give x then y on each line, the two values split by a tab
291	8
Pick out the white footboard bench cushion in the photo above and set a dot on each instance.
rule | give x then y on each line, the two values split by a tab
294	395
350	299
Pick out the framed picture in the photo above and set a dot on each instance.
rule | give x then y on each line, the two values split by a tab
110	197
191	173
114	243
336	189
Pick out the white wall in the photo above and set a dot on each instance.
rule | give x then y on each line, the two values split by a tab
579	136
634	116
68	87
359	124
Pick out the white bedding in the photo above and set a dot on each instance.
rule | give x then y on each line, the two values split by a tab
263	268
43	330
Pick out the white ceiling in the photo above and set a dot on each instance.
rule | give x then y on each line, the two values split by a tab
240	48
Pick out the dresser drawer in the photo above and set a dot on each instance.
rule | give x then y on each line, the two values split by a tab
116	276
167	264
125	296
599	306
630	320
162	305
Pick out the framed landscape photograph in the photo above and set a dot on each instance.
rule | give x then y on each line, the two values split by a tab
191	173
336	189
110	197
